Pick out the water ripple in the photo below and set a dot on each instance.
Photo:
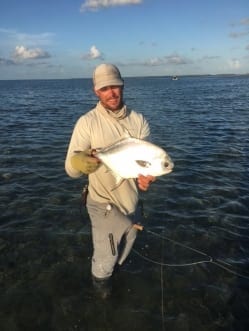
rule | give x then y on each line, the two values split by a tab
204	203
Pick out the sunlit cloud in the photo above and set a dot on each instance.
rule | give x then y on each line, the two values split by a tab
168	59
93	54
95	5
23	53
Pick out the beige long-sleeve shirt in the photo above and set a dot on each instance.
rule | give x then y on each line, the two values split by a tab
97	129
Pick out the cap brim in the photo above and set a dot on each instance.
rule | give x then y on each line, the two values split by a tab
114	82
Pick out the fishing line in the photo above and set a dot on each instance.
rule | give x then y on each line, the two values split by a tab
209	259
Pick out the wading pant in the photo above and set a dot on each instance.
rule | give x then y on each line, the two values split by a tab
113	236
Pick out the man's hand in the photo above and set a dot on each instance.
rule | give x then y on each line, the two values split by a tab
85	162
145	181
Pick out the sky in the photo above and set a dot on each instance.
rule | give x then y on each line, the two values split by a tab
57	39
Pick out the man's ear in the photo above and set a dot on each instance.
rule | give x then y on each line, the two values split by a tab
95	92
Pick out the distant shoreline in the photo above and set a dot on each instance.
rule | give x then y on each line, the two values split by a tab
131	77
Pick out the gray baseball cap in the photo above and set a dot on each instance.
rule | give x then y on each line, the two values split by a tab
107	75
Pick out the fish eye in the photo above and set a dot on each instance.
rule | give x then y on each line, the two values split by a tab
166	164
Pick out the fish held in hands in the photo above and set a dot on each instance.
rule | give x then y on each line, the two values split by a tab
131	157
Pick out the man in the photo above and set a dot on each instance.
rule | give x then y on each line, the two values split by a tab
111	211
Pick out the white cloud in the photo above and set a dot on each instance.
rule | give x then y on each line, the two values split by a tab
93	54
155	61
176	59
16	37
23	53
35	39
168	59
94	5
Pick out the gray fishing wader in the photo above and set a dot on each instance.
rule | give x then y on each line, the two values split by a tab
113	237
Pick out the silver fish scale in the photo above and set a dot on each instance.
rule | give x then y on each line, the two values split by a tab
130	157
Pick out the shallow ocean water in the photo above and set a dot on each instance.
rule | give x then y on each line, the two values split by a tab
189	269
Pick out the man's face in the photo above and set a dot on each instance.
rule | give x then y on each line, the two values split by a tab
111	97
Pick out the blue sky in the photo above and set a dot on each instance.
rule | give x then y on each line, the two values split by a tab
68	38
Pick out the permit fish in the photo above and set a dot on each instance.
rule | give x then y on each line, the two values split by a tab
130	157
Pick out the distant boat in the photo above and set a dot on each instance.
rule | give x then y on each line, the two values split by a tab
174	78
